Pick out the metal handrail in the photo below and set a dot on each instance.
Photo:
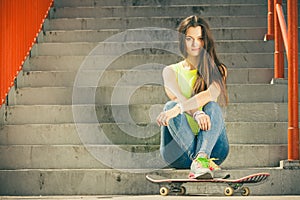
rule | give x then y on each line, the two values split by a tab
20	23
282	25
277	30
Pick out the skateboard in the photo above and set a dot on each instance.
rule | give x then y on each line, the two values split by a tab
168	185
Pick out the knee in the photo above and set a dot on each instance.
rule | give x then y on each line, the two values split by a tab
212	107
169	105
214	111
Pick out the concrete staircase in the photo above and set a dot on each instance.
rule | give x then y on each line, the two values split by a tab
81	119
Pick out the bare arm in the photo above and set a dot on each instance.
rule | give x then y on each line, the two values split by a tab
171	86
172	89
202	98
193	103
173	92
187	105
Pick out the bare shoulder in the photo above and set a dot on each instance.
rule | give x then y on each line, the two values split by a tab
169	70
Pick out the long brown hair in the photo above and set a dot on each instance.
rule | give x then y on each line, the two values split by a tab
209	61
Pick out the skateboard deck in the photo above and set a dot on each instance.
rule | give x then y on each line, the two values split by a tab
168	185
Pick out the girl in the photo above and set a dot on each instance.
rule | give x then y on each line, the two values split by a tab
192	126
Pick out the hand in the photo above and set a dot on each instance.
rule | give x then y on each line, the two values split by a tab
203	121
164	117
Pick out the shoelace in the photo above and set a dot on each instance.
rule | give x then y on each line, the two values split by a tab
213	165
208	163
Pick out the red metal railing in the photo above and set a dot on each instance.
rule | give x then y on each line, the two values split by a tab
20	23
289	39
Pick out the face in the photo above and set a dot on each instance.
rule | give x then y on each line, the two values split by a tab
194	41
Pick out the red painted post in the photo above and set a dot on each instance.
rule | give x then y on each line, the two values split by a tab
293	128
270	34
278	53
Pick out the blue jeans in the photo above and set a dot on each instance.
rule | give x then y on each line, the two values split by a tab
179	145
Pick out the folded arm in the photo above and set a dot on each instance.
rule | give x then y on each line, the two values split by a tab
185	105
202	98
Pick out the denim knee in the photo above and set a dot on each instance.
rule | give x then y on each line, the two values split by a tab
212	105
169	105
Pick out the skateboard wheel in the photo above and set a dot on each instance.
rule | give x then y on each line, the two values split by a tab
245	191
164	191
228	191
182	190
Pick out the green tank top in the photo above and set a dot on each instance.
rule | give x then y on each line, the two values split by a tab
186	80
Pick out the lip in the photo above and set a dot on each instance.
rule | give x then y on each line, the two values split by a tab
196	49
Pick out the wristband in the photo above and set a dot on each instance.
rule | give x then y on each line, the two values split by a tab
180	107
198	112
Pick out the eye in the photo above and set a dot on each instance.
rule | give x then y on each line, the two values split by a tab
188	39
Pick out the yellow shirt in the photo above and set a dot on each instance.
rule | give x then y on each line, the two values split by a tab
186	80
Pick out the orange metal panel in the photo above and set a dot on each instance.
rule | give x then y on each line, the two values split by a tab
20	22
1	51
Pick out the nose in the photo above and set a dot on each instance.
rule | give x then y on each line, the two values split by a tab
195	43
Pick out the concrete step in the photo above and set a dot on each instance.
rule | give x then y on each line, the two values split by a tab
132	114
132	61
43	150
125	156
160	11
100	3
79	157
67	134
118	49
104	182
123	93
141	22
243	33
111	77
